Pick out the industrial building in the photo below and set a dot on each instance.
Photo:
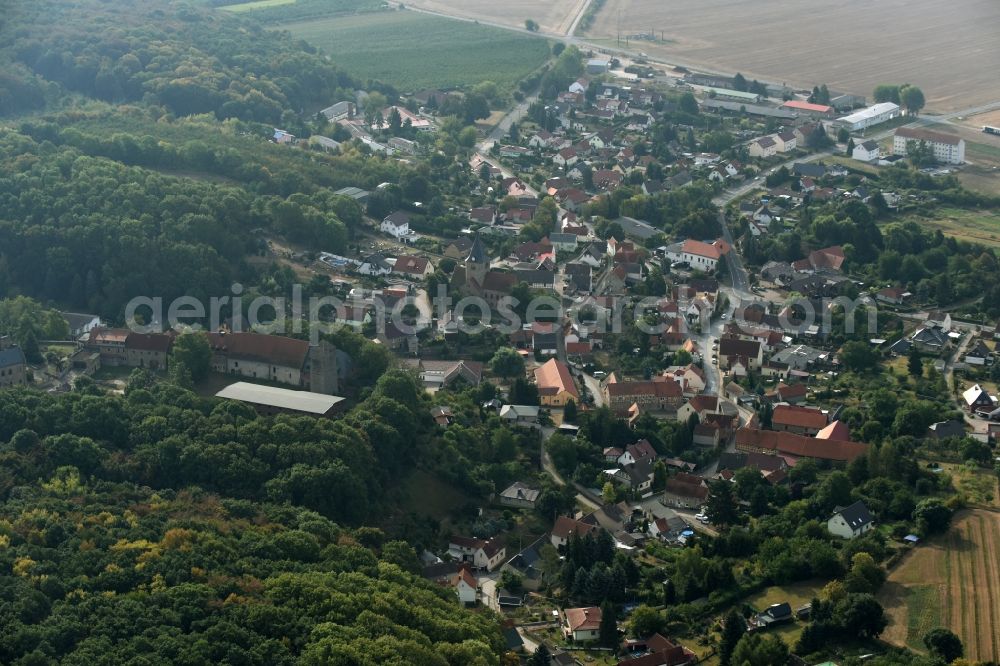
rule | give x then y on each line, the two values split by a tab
873	115
274	400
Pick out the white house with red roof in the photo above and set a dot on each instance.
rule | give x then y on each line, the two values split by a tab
465	586
582	624
699	254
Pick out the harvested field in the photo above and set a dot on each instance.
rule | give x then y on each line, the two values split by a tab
952	581
554	16
852	46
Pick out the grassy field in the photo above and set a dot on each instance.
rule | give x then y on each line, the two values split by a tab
414	51
977	484
979	226
842	44
953	582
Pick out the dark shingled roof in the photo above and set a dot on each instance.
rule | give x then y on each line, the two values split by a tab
856	515
11	357
478	252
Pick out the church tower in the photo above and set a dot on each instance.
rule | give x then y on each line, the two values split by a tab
323	371
477	264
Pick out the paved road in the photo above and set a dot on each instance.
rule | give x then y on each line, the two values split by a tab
579	17
551	470
594	388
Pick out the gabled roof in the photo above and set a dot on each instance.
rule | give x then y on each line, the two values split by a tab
838	430
273	349
807	106
919	134
701	403
735	347
856	515
641	449
687	485
702	249
465	576
554	377
667	389
411	265
154	342
398	218
976	395
787	443
799	416
583	619
565	527
12	357
499	281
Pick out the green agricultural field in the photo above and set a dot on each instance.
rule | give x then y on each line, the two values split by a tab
415	51
259	4
273	12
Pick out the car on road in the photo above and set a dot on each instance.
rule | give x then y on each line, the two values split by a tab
724	315
715	361
600	374
701	518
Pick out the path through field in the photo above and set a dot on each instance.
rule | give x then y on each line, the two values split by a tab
954	582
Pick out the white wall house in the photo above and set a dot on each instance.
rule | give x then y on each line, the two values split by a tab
465	587
866	151
946	148
850	522
701	256
763	147
397	225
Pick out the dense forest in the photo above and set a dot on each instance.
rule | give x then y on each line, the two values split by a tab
157	526
105	232
186	59
160	523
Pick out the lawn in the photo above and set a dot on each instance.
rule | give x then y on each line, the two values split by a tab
951	581
796	594
416	51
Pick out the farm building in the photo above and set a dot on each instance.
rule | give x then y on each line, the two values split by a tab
598	66
847	102
273	400
808	108
749	109
734	95
873	115
947	148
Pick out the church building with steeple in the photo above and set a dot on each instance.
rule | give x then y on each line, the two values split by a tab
476	278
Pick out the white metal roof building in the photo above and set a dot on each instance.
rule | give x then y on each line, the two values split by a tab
270	399
873	115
